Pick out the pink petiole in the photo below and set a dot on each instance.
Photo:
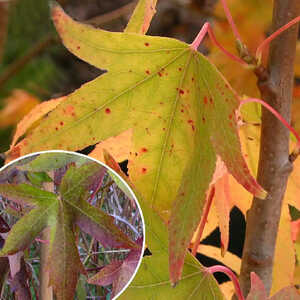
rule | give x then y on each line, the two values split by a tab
274	35
206	28
276	114
231	275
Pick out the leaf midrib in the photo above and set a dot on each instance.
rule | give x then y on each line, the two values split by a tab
109	101
168	131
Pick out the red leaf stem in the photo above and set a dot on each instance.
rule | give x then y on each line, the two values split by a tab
261	47
206	28
276	114
230	20
231	275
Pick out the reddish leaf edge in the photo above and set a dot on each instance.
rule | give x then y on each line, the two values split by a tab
203	220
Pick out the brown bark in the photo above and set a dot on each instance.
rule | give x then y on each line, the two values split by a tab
274	165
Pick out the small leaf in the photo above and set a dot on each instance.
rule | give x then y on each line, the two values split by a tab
75	191
64	261
51	161
38	178
258	291
24	193
117	273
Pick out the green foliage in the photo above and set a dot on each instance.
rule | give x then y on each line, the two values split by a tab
60	209
29	23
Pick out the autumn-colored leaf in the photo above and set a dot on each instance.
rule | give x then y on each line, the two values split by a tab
61	212
34	115
141	17
174	100
117	273
19	104
118	146
152	279
258	291
51	160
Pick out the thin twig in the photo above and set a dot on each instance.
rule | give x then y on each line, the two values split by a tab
113	15
19	64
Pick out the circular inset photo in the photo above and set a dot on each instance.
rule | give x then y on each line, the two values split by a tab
70	228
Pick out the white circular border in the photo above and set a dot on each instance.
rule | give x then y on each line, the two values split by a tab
115	173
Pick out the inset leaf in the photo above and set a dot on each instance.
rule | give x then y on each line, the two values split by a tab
51	161
61	212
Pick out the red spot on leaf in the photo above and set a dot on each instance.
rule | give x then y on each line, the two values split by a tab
182	110
205	100
78	47
203	120
230	116
56	128
161	103
211	100
226	85
193	79
181	91
107	111
160	74
61	123
144	170
144	150
148	72
190	121
179	69
193	127
147	44
69	110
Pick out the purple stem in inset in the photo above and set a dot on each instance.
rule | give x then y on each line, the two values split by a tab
231	275
230	21
276	114
274	35
206	28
